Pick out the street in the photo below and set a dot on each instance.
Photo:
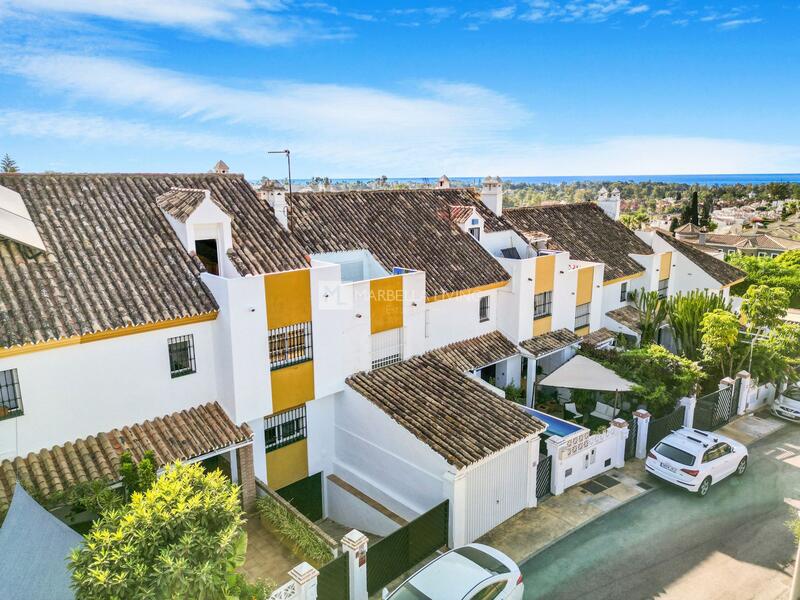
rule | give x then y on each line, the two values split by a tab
670	544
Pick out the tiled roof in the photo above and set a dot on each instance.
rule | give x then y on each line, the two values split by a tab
688	228
476	352
549	342
586	232
629	316
719	270
757	241
448	411
460	214
180	436
598	337
411	229
180	202
112	258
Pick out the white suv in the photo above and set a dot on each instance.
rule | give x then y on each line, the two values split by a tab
695	460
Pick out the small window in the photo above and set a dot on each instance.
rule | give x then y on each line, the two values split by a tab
663	284
476	222
10	396
475	232
583	315
181	356
623	292
542	305
285	428
290	345
387	348
207	253
483	310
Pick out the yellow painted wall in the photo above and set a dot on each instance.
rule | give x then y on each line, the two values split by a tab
288	297
287	465
386	303
292	386
582	331
545	273
666	266
543	325
585	285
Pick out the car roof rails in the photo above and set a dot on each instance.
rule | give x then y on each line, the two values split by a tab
685	435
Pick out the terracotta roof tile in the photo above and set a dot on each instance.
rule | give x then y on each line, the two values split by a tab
180	436
180	202
598	337
411	229
628	316
476	352
719	270
586	232
549	342
448	411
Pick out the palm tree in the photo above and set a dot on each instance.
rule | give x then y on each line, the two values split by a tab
652	314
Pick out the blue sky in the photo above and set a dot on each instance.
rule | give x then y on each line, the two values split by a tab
361	89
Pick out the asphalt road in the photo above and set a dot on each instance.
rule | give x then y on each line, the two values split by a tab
731	544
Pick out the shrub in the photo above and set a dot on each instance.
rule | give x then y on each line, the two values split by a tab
295	531
515	393
182	538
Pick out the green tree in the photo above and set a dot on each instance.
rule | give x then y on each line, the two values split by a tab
685	312
182	538
652	314
694	205
137	477
673	224
773	272
720	334
789	260
764	307
7	165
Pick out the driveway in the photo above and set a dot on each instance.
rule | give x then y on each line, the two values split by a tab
670	544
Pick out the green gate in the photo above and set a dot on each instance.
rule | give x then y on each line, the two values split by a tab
305	495
401	550
333	582
660	428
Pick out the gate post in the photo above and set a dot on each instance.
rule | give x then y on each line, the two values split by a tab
689	403
642	423
355	545
621	432
305	578
725	382
557	475
745	382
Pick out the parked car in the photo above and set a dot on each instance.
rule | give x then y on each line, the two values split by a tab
695	460
471	572
787	405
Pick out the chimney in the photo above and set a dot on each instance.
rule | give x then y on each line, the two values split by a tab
275	194
701	239
492	194
444	183
221	168
611	205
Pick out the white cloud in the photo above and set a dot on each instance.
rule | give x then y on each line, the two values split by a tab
502	13
736	23
637	10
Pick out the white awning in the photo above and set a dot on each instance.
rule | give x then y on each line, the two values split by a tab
582	373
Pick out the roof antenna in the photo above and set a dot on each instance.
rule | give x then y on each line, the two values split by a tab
288	154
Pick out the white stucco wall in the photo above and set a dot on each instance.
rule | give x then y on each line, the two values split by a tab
76	391
564	293
515	300
685	275
456	319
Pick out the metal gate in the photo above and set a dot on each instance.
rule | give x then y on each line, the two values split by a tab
402	549
659	428
543	472
717	408
630	443
305	495
333	582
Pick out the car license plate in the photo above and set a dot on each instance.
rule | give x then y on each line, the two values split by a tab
669	467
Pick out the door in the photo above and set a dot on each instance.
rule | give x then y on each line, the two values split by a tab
728	460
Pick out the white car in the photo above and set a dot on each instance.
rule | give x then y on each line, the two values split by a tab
471	572
696	460
787	405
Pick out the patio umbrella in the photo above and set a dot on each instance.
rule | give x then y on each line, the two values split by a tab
581	373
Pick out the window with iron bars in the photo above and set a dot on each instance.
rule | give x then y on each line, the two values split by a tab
663	284
10	396
583	315
623	292
181	356
483	309
290	345
542	305
285	428
387	348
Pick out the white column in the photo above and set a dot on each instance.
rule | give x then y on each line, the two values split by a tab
305	578
744	391
514	370
725	382
456	490
530	387
557	475
533	461
354	544
234	466
259	449
689	402
621	432
642	423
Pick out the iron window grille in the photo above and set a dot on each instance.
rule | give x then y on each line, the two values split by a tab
542	305
663	284
483	309
10	396
387	348
285	428
583	314
181	356
290	345
623	292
